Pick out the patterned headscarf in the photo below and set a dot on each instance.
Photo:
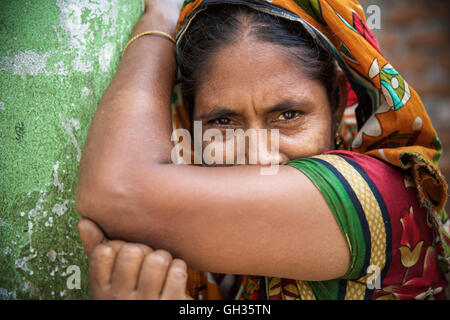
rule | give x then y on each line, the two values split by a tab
385	117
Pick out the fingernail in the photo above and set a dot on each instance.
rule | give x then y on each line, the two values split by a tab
180	271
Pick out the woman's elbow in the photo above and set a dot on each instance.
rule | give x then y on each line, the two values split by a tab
87	202
121	204
96	197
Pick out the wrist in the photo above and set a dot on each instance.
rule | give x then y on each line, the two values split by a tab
155	20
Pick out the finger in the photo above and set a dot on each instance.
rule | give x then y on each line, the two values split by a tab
101	266
153	274
102	261
126	270
91	235
118	244
176	280
145	249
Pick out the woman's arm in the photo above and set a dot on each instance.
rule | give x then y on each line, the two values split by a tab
228	219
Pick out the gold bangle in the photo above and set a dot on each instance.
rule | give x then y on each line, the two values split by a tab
168	36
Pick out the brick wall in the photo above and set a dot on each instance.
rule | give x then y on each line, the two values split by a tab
415	38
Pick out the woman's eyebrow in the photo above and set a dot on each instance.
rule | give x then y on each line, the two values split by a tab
218	112
287	105
221	112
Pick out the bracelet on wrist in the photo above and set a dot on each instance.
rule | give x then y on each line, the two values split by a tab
151	32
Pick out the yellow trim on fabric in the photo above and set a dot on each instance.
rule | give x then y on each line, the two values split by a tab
356	289
306	293
349	243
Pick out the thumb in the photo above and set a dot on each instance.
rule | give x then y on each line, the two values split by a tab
91	235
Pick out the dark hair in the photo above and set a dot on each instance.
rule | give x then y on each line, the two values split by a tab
222	25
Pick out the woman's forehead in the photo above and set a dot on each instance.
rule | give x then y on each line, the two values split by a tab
256	70
249	67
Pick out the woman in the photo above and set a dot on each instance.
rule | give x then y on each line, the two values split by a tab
365	224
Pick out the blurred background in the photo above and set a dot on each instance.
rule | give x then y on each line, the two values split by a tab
415	39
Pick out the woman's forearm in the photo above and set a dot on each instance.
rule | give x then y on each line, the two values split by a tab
132	125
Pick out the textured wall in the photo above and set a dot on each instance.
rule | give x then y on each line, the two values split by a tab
56	59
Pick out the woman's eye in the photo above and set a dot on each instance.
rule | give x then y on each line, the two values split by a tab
221	121
288	115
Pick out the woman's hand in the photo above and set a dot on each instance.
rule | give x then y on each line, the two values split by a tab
164	13
131	271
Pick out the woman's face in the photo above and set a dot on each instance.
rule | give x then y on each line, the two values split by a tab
254	85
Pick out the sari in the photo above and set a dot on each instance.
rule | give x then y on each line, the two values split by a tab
383	185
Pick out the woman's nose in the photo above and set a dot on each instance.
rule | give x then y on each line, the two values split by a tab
272	158
263	148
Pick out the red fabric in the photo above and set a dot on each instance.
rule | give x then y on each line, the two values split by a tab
414	271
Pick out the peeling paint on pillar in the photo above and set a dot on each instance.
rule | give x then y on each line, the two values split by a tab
56	59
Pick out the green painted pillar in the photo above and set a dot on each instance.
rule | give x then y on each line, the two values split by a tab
56	60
